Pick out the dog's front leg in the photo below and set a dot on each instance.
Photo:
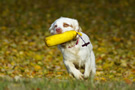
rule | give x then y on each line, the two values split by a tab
87	69
72	70
90	68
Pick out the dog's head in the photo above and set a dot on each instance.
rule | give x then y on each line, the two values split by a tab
64	24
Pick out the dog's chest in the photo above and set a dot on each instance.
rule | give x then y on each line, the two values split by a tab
74	56
73	51
70	53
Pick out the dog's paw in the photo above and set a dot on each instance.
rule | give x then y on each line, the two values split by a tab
86	76
78	75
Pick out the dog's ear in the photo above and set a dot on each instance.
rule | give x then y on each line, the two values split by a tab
51	29
76	25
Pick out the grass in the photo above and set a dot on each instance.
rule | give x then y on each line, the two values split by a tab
55	84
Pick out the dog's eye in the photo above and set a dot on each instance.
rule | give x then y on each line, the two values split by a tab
65	25
55	26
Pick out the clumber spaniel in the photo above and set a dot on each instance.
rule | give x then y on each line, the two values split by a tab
75	53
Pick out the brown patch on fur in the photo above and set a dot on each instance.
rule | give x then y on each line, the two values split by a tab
67	25
71	26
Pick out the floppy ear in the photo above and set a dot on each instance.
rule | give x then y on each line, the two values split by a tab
76	25
51	29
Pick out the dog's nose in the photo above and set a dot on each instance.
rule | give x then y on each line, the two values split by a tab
58	30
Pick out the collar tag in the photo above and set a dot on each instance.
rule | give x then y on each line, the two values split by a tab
85	44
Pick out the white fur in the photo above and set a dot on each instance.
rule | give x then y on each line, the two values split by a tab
76	55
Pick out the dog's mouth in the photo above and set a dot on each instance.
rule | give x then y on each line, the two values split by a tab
58	32
63	45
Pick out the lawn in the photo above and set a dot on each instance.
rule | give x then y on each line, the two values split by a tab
56	84
25	61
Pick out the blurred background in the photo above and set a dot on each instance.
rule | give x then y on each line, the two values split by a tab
110	24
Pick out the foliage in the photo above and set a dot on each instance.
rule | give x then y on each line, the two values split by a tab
109	24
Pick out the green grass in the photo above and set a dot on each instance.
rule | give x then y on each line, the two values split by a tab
55	84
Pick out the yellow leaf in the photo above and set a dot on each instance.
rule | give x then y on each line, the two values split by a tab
101	49
21	52
134	80
123	63
38	57
3	28
111	76
37	67
103	79
116	39
12	63
59	73
32	43
98	73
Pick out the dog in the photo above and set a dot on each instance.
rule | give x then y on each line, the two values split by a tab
77	53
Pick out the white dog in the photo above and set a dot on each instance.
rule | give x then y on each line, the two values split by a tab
76	53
